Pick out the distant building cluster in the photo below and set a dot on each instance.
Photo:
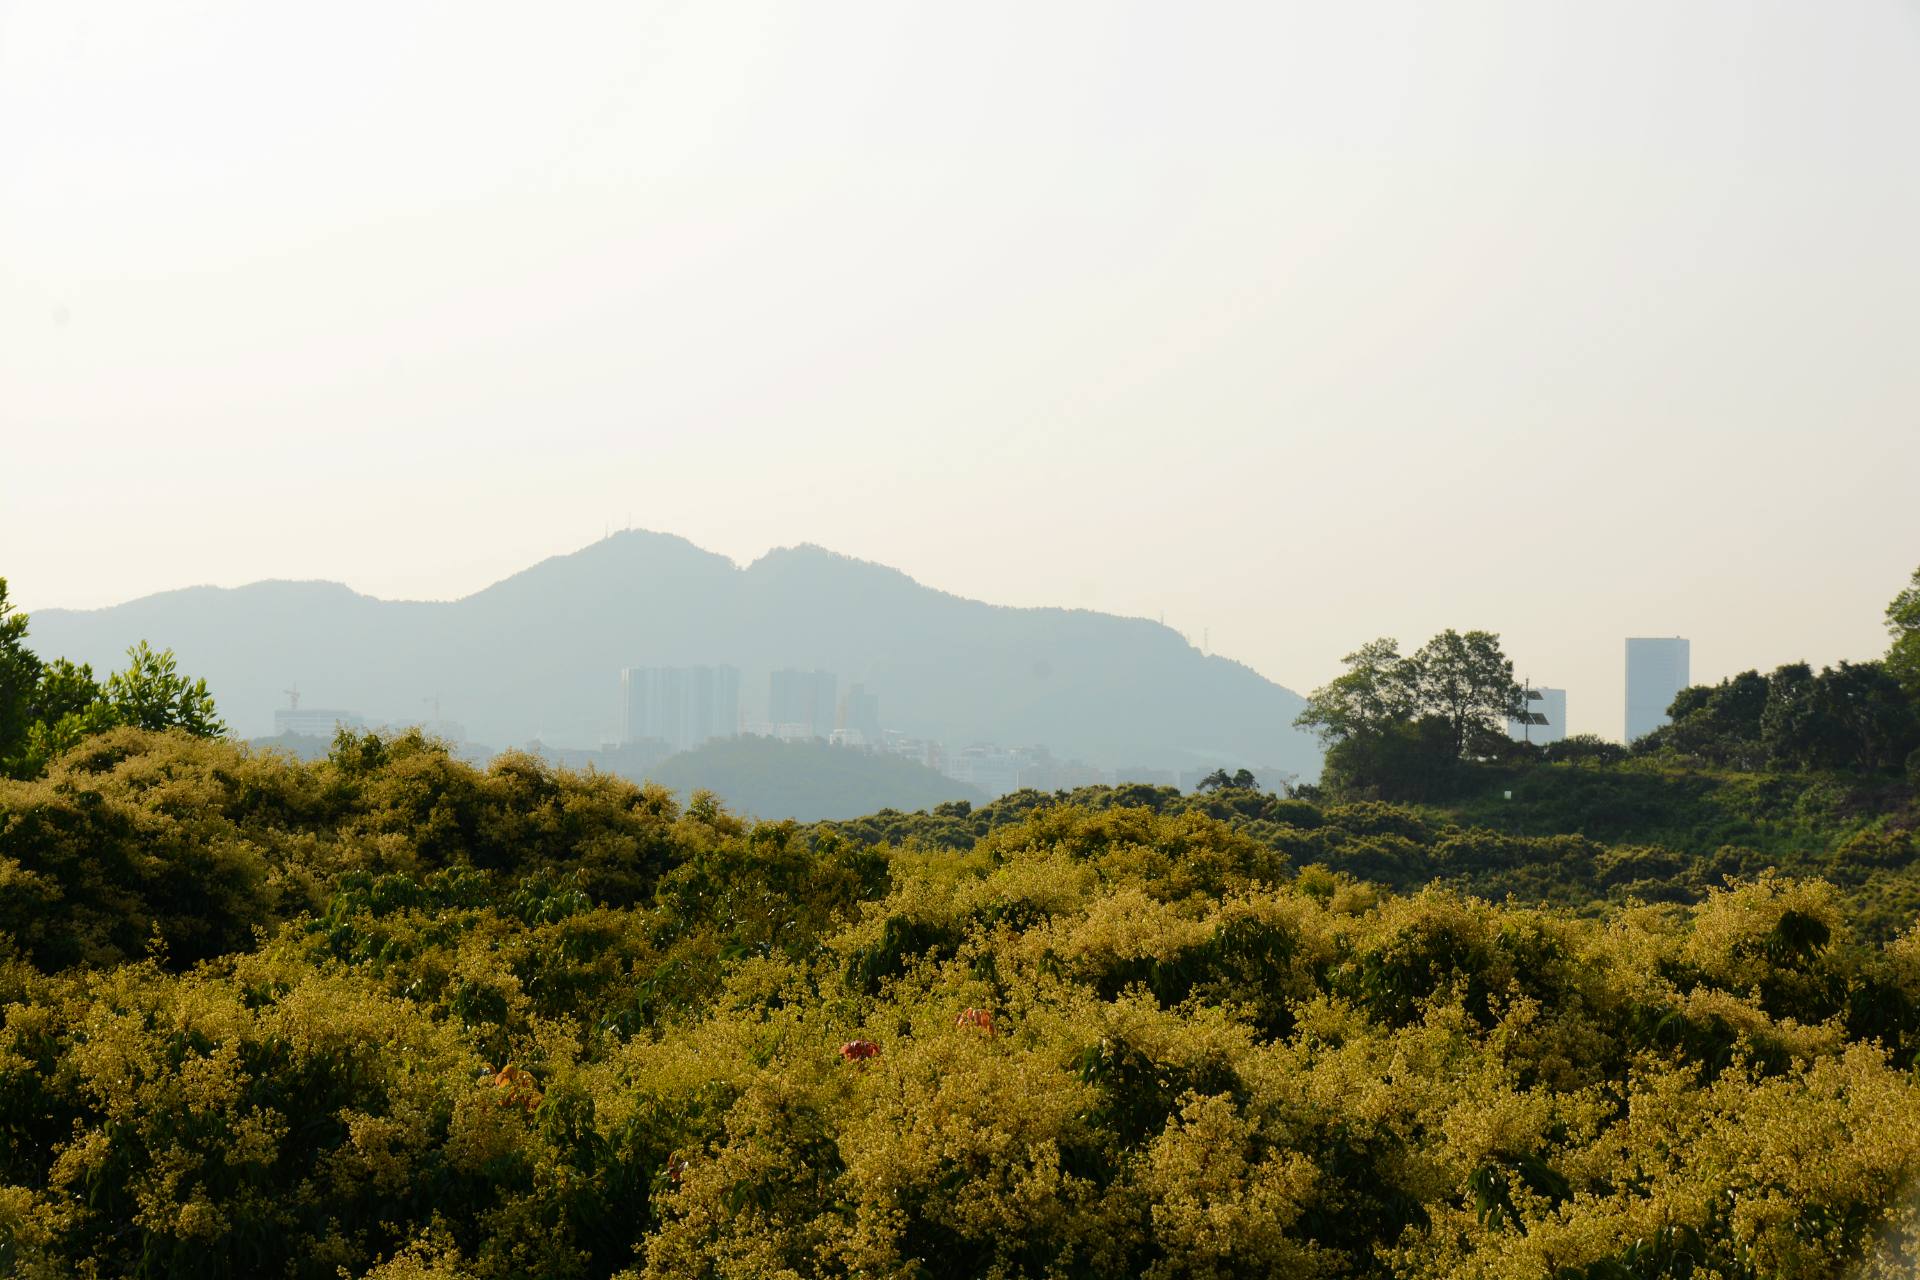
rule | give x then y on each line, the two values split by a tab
309	731
314	722
800	705
667	709
1657	667
859	719
997	770
679	706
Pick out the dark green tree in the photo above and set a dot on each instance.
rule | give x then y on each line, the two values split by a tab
19	675
1467	681
1719	724
1376	691
68	704
1397	727
1789	729
1221	780
1584	748
65	688
1865	719
1854	716
1409	761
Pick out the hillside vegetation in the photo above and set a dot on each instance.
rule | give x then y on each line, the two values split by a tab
1657	835
387	1014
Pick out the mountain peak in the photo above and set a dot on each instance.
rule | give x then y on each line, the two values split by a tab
809	560
539	654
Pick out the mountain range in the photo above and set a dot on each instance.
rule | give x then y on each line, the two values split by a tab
538	655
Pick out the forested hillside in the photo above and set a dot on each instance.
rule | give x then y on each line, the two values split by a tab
387	1014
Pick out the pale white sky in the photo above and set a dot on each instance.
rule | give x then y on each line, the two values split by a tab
1297	322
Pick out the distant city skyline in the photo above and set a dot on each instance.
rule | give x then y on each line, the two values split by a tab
827	708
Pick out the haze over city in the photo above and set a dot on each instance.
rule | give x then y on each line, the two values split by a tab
1294	325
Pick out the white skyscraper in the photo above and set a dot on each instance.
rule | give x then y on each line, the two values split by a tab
1657	669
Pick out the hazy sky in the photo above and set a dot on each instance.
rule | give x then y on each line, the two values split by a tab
1299	323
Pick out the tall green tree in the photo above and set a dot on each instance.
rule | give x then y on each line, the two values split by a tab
68	705
1397	727
48	707
1376	691
1468	682
1719	723
65	689
19	676
152	694
1868	721
1221	780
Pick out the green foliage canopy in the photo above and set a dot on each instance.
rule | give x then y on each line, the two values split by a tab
46	708
19	674
152	694
1853	716
1397	725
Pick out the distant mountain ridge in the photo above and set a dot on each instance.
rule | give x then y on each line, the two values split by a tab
539	654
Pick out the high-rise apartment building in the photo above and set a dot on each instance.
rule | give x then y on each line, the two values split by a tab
726	702
860	715
634	688
1657	669
668	705
680	706
802	702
